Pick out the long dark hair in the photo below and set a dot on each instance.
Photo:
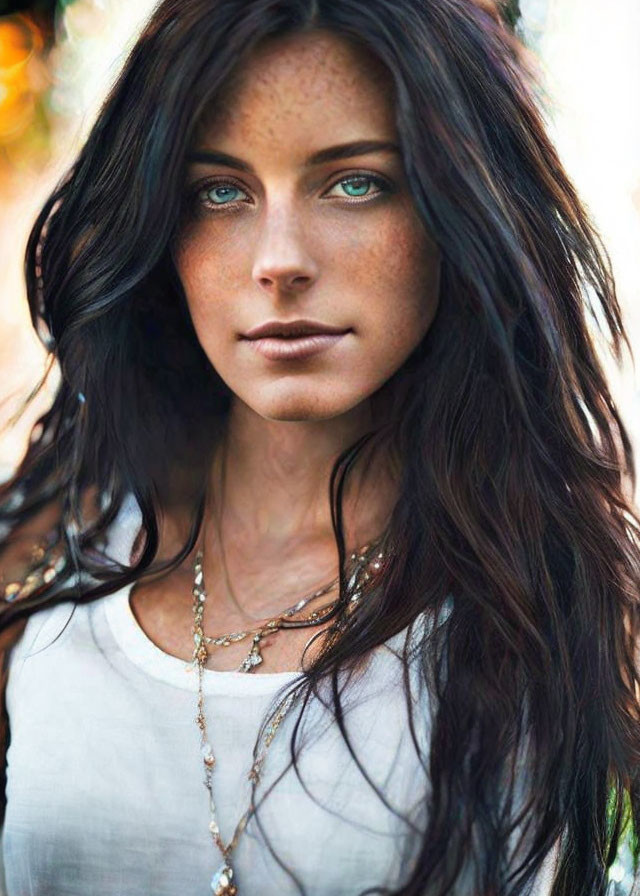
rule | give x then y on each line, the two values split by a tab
516	467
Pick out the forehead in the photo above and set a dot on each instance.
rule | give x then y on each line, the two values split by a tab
316	85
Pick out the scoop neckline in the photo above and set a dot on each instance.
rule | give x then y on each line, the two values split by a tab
144	653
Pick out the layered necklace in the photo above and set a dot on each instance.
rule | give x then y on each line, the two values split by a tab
368	561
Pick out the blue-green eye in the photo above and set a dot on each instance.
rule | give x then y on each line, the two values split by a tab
219	194
360	184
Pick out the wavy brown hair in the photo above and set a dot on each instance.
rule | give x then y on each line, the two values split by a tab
514	502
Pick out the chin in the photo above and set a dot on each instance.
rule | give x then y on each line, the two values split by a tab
324	404
299	412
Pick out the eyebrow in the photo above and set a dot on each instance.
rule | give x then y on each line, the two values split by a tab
330	154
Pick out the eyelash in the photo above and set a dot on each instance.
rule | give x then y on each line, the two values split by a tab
384	187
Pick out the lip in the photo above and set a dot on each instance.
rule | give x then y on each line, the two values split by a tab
278	348
292	328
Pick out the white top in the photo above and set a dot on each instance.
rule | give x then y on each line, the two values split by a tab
105	791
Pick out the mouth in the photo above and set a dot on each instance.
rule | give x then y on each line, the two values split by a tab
282	348
294	329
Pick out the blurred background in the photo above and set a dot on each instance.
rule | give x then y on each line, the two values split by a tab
59	57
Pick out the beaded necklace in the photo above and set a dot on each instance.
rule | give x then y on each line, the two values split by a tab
222	881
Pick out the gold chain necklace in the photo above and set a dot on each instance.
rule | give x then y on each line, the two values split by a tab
285	619
222	880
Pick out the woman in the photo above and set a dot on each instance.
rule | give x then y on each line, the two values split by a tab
318	280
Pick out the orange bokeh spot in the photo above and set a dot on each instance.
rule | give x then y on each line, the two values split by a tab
20	39
17	42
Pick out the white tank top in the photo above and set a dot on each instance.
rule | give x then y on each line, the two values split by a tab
105	792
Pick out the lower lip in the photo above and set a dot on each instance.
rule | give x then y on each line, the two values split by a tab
278	348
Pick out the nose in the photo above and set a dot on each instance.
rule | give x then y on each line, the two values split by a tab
283	263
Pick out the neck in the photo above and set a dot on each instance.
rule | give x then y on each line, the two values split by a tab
267	532
270	478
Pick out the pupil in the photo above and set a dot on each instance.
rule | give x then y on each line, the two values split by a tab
221	190
360	186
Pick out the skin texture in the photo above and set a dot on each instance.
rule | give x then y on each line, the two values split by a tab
285	242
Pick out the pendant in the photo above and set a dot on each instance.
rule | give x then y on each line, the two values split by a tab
254	658
221	881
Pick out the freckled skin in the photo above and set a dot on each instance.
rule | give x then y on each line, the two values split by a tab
292	242
286	250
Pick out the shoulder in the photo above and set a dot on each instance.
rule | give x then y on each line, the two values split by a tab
397	670
42	629
122	533
48	626
410	642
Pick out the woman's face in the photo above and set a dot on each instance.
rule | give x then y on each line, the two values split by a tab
278	236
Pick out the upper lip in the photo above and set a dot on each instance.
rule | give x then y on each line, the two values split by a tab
291	328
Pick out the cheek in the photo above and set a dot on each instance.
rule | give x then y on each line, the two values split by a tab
200	271
402	277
